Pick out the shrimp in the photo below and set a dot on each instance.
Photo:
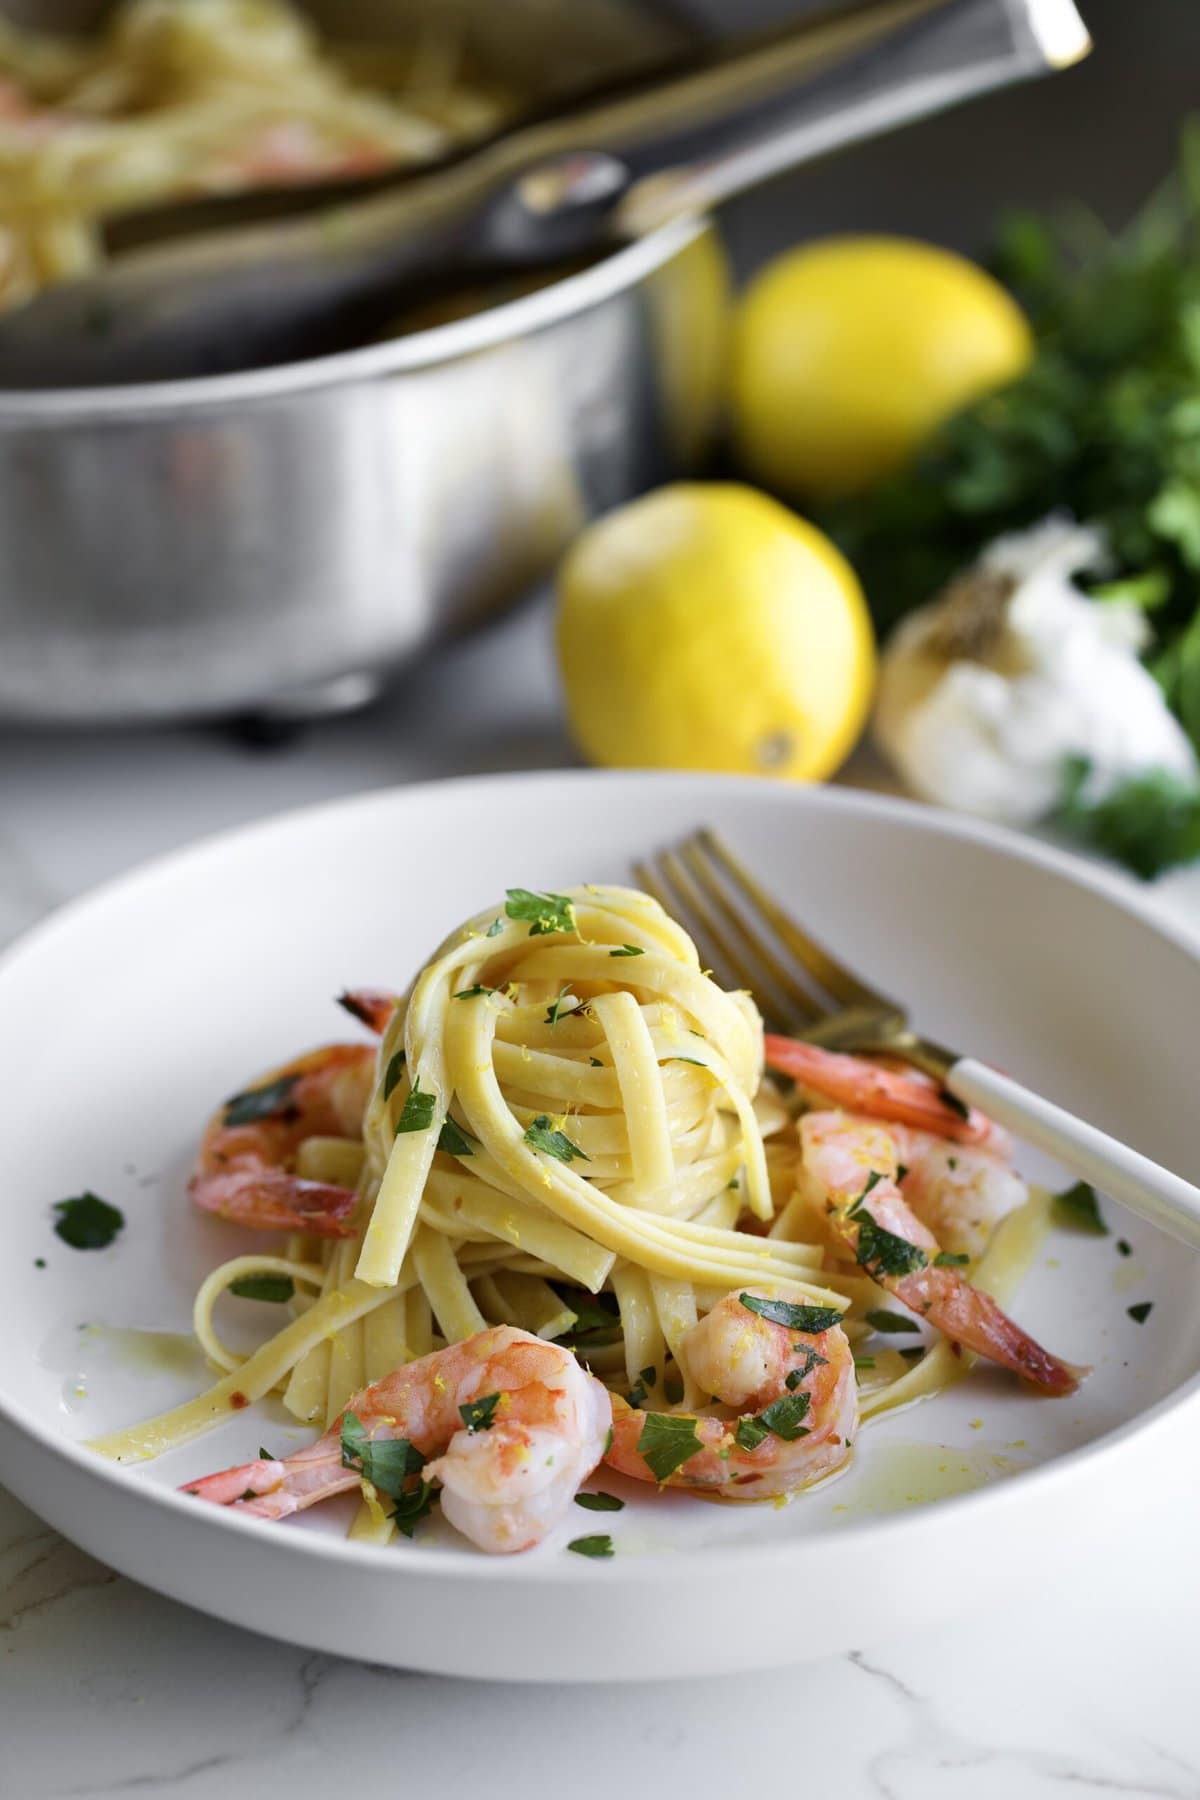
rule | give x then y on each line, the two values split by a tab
803	1380
853	1165
960	1191
513	1426
244	1172
908	1096
372	1006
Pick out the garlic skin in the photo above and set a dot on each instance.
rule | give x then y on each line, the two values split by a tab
986	692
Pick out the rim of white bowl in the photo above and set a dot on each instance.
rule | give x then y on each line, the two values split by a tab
451	1562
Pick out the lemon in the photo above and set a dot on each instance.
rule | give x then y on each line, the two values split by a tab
849	352
707	627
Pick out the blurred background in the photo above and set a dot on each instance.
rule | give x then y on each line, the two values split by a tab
229	563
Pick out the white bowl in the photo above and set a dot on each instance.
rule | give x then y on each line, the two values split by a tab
127	1016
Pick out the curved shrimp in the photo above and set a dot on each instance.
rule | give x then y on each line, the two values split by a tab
372	1006
245	1169
757	1365
908	1096
538	1426
854	1164
960	1191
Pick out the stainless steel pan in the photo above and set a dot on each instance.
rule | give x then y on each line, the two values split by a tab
281	538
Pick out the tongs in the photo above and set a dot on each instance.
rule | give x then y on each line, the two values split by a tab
568	187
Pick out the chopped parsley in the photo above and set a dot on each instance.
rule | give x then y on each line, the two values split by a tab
541	1135
901	1172
395	1070
864	1362
417	1111
472	993
809	1360
913	1352
694	1060
797	1318
600	1502
592	1311
265	1102
87	1222
608	1442
264	1455
750	1433
274	1288
495	928
951	1259
882	1253
600	1545
387	1463
39	1262
454	1140
480	1415
784	1416
667	1441
1124	1247
411	1508
1141	1312
555	1010
546	913
1078	1210
628	950
891	1321
643	1384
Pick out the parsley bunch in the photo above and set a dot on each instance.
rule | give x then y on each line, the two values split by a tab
1105	422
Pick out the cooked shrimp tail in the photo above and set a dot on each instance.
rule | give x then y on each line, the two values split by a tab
372	1006
508	1424
245	1170
854	1166
906	1095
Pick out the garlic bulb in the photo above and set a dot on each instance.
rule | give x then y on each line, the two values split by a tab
987	692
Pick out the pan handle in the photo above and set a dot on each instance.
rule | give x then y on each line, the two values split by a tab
800	98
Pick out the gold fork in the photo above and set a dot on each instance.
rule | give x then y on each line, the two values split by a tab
804	991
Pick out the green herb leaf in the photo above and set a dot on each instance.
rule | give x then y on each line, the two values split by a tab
641	1387
811	1319
809	1360
864	1362
593	1312
274	1288
266	1102
554	1012
1148	822
411	1508
784	1416
694	1060
542	1136
546	913
628	950
608	1442
417	1112
882	1253
395	1070
750	1432
265	1455
454	1140
495	928
600	1502
951	1259
472	993
1141	1312
480	1415
901	1173
872	1181
891	1321
1078	1210
600	1545
667	1441
87	1222
386	1463
1124	1247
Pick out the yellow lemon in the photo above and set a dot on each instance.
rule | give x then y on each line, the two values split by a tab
850	351
707	627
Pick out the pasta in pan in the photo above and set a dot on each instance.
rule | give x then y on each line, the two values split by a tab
564	1147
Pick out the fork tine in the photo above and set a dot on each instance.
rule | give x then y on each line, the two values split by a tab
804	1005
655	879
838	981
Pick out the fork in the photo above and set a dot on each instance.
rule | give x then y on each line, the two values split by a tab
804	991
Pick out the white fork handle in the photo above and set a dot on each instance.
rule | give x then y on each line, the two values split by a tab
1147	1189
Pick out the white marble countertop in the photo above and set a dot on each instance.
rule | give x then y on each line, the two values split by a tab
107	1689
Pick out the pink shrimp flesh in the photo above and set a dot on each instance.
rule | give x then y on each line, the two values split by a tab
854	1164
245	1169
960	1191
799	1396
882	1092
508	1424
